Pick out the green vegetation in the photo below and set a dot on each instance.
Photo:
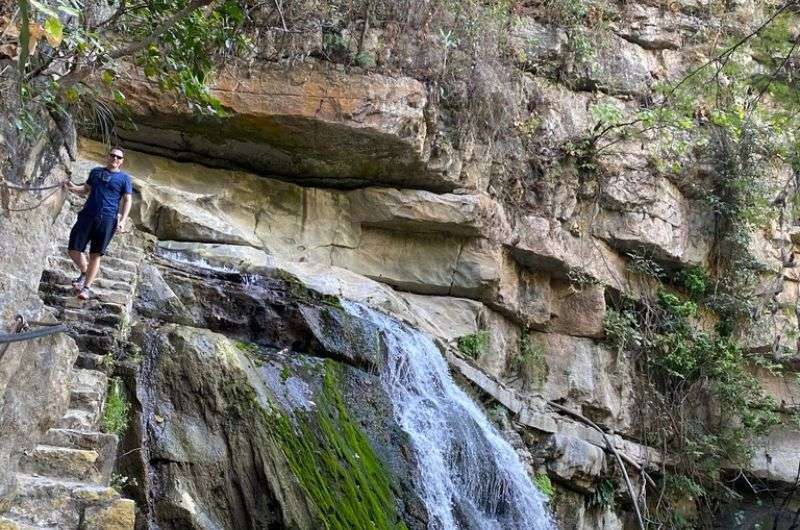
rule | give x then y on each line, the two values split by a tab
684	363
738	121
65	58
475	344
530	364
543	484
117	409
603	496
334	462
247	348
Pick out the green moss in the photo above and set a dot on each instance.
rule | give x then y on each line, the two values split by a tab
298	291
335	464
544	485
246	347
475	344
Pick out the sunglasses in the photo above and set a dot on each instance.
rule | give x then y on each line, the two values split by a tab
118	157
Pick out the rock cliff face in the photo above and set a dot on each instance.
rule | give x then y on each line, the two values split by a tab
26	239
259	393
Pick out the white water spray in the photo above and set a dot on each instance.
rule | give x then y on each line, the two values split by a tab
470	477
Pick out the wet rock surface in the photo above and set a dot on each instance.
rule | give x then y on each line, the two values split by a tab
215	408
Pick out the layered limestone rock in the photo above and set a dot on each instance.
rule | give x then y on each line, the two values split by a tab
304	123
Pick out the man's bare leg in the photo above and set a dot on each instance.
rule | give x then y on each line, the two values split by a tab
92	269
79	260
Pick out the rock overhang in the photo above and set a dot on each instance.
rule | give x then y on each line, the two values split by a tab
314	124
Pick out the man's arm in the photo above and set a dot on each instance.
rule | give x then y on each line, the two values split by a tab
80	189
125	209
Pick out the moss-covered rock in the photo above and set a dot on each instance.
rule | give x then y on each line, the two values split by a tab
281	424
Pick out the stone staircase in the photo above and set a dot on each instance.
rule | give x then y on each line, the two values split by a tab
100	322
64	483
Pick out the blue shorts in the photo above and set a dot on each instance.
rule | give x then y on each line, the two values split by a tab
95	230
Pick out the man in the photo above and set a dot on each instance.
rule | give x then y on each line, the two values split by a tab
100	217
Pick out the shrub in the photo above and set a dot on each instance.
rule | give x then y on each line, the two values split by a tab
530	364
475	344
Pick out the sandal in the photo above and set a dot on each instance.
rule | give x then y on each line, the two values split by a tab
84	293
78	282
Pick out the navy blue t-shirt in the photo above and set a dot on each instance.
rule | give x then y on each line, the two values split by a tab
108	187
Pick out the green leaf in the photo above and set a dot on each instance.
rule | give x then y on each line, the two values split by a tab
119	97
53	31
72	95
107	77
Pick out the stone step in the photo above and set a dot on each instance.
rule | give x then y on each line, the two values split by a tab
57	281
90	317
98	344
98	293
80	420
106	263
63	463
65	268
44	502
110	263
91	361
105	444
7	523
73	439
134	256
117	250
71	301
87	389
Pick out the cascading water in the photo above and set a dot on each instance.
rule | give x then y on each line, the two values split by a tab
470	477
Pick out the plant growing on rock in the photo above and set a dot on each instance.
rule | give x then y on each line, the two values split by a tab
544	485
475	344
682	363
116	410
530	364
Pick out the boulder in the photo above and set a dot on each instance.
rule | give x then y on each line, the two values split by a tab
536	45
435	264
171	214
229	426
523	295
616	66
422	211
544	245
563	114
572	461
655	28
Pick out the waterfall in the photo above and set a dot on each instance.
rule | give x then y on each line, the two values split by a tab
469	476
